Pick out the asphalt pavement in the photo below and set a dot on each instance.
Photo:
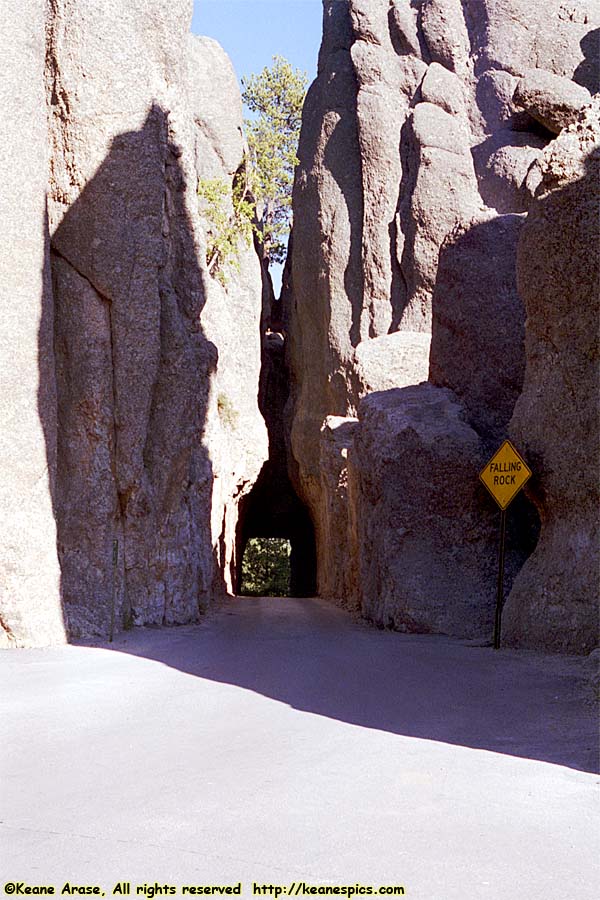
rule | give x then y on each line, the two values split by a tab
280	743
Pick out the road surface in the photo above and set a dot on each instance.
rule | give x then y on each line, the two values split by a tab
281	742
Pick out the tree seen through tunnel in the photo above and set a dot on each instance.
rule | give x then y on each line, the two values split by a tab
266	568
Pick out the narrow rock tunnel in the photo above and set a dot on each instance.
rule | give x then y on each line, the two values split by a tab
273	509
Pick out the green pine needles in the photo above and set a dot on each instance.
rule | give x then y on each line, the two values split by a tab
227	411
266	568
276	97
229	216
259	202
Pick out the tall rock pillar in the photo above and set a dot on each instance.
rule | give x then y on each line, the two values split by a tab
30	602
554	601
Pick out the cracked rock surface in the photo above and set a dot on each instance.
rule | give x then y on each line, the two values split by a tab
422	148
153	428
554	601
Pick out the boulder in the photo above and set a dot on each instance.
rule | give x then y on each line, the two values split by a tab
554	601
427	534
393	360
444	89
445	33
552	100
494	93
503	164
403	29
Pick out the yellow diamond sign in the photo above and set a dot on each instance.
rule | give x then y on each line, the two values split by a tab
505	474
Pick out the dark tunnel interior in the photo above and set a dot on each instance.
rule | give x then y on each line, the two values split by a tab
273	509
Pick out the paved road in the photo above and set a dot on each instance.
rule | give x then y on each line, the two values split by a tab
280	741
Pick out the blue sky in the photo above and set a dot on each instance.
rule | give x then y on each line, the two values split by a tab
253	31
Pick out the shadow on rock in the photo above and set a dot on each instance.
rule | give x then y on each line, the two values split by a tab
133	478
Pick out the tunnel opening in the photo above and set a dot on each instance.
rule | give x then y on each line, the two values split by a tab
266	568
272	509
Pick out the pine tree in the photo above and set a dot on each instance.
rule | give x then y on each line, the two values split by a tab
276	96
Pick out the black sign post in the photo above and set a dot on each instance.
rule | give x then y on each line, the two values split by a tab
500	591
504	476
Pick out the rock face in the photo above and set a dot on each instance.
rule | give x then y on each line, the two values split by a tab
553	101
478	334
418	159
155	414
131	432
337	533
235	435
393	359
29	570
427	548
554	602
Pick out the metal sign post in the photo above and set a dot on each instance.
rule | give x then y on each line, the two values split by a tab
504	476
115	562
500	590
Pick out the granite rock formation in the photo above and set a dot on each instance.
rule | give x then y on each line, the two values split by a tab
478	331
553	101
29	568
448	174
426	542
554	602
338	567
418	161
153	432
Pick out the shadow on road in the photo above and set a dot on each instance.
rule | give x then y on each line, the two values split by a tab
313	657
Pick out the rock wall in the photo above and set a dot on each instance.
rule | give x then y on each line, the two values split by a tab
429	161
418	162
155	420
427	543
554	601
478	329
29	569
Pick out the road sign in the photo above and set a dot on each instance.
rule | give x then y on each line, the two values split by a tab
505	474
